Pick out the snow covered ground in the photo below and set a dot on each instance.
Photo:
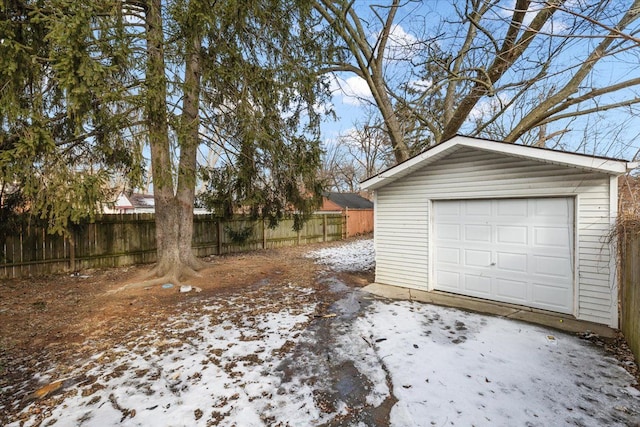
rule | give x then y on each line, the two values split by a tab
246	361
358	255
449	367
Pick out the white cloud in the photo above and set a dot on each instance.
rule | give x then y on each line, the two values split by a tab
401	45
353	90
488	107
420	85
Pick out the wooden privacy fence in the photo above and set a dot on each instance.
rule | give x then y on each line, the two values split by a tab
357	222
126	239
630	291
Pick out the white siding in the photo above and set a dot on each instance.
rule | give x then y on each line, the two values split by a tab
403	213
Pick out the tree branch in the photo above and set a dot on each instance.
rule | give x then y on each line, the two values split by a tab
542	110
596	109
506	58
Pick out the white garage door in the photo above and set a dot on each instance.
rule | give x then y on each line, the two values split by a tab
512	250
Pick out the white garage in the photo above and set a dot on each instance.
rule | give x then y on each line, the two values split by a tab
503	222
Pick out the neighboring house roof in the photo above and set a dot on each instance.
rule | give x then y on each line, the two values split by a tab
123	202
142	201
349	200
432	154
132	203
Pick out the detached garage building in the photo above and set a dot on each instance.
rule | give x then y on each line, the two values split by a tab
504	222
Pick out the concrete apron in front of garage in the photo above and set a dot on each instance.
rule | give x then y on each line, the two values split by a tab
563	322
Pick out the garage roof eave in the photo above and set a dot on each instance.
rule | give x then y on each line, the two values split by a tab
414	163
582	161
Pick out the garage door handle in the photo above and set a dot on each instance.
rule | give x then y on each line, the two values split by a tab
493	263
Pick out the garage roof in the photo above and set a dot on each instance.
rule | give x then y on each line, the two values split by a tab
582	161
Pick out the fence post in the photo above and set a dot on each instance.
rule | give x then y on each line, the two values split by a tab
324	228
346	223
219	236
264	234
72	252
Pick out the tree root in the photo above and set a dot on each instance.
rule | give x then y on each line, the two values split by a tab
161	274
149	283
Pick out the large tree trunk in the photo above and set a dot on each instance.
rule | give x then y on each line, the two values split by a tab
188	137
370	62
392	124
174	213
156	116
379	90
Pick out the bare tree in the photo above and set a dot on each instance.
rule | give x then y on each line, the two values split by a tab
339	173
469	67
368	146
360	152
366	60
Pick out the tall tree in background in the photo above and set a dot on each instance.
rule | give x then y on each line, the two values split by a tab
518	71
85	84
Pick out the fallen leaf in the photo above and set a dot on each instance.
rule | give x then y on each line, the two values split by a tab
45	391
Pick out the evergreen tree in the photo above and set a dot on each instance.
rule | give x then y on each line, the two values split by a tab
66	126
86	83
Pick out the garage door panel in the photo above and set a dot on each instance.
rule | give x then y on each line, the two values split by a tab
553	208
478	208
477	233
448	256
512	290
512	235
513	208
477	285
512	250
550	297
512	261
552	266
555	237
477	258
450	280
448	232
449	209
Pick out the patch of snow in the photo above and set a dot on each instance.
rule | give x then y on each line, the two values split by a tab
452	367
358	255
220	367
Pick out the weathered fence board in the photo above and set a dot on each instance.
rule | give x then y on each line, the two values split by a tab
118	240
630	292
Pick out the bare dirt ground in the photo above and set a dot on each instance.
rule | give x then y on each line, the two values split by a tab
58	319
